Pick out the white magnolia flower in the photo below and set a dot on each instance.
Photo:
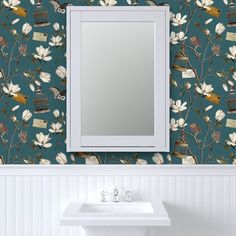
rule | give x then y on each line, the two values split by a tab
226	2
11	89
181	36
91	160
26	115
42	140
234	161
55	128
174	38
107	2
175	124
42	53
56	41
141	162
181	123
61	72
61	158
56	113
232	141
26	28
45	77
220	28
178	19
205	4
158	158
56	26
44	162
232	54
11	3
234	75
205	89
188	160
178	106
168	157
219	115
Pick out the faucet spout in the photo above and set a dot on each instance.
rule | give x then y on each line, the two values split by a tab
116	195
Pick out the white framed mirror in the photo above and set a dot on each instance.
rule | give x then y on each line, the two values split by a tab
118	78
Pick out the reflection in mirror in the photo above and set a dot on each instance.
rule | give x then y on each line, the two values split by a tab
117	78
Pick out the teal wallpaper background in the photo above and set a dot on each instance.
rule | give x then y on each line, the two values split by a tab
33	82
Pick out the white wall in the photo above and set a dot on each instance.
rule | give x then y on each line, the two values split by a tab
200	200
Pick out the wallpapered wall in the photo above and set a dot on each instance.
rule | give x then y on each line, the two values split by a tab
33	79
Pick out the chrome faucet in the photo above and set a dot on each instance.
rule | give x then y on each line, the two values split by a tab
116	195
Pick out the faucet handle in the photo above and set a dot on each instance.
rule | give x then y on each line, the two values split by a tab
128	196
103	196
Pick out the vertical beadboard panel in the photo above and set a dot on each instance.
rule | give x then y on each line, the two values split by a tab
197	205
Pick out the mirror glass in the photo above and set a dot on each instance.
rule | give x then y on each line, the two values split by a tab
117	78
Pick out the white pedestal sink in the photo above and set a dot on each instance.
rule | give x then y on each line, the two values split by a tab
115	219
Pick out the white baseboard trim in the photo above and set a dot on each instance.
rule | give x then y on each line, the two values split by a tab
117	170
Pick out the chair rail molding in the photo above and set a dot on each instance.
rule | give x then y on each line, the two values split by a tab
120	170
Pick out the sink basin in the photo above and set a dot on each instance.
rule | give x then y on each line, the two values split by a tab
112	214
116	208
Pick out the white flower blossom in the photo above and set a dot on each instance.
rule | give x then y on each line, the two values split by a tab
205	4
91	160
232	54
61	158
26	28
188	160
219	116
55	128
158	158
44	162
141	162
42	140
174	38
11	3
56	26
107	2
56	113
42	53
205	89
175	124
232	141
11	89
178	19
220	28
26	115
61	72
45	77
178	107
56	41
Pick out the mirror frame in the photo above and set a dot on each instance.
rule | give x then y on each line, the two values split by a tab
159	15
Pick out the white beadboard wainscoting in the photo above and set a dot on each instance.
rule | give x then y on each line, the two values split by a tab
200	200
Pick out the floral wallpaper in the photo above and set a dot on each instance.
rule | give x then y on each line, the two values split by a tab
33	82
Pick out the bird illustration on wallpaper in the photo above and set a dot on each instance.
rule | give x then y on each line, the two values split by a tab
33	80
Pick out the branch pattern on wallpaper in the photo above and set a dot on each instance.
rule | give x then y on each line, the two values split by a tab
33	79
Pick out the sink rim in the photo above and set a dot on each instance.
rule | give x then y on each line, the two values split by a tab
72	217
